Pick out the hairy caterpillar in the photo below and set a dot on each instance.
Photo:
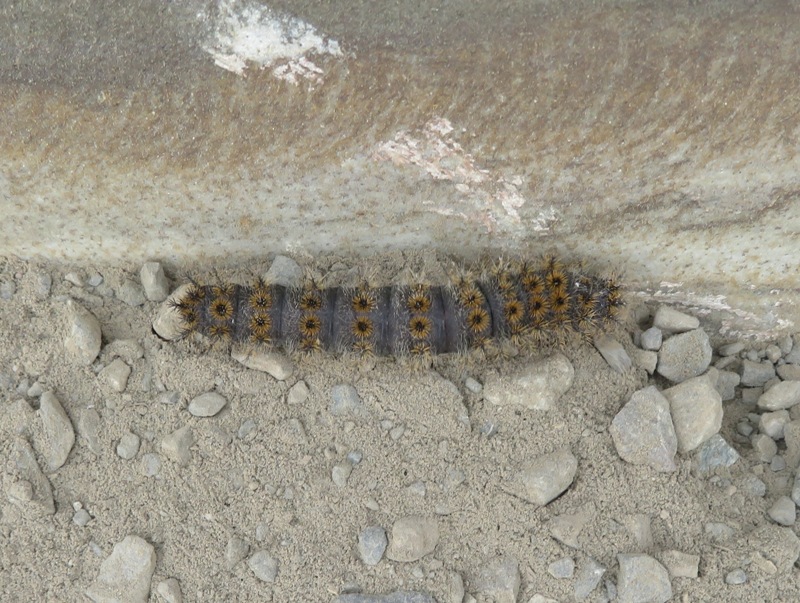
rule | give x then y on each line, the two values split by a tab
514	302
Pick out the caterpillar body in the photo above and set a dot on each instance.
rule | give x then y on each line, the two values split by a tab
514	302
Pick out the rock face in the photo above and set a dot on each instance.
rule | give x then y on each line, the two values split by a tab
125	575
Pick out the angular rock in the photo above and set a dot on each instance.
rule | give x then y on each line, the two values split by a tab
756	374
643	433
589	575
284	271
499	580
264	566
58	436
274	364
613	353
85	337
125	575
24	483
684	356
536	386
716	452
652	338
546	477
372	544
567	527
679	564
783	511
696	408
298	393
176	445
413	537
235	551
168	323
642	579
779	545
345	401
772	423
764	447
672	320
154	281
170	590
781	395
115	375
207	404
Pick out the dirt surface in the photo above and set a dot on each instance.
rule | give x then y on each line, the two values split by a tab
261	469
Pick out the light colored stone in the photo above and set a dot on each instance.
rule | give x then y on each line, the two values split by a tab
679	564
170	590
298	393
643	433
413	537
125	575
783	511
85	337
24	483
154	281
168	323
684	356
499	580
274	364
207	404
546	477
235	551
696	408
536	386
756	374
613	353
58	436
670	319
781	395
651	339
264	566
772	423
115	375
716	452
345	402
176	445
642	579
372	543
128	446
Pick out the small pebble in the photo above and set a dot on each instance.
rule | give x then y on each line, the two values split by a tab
127	570
170	590
58	436
613	353
274	364
672	320
247	427
588	578
782	395
263	565
81	517
546	477
31	491
128	446
731	349
176	446
679	564
298	393
170	398
85	338
151	464
753	486
764	447
716	452
499	579
783	511
372	543
562	568
341	472
537	385
131	293
154	281
756	373
284	271
95	280
345	401
651	339
643	432
207	404
696	408
413	537
642	578
737	576
472	385
115	375
235	551
778	463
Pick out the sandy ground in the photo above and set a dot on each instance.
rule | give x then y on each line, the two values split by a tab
260	470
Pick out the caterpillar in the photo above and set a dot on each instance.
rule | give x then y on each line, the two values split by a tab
510	302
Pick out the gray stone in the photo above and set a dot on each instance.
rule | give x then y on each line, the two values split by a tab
24	483
546	477
284	271
756	374
589	575
176	445
168	323
679	564
643	433
125	575
81	517
772	423
154	281
773	353
753	486
207	404
651	339
341	472
472	385
536	386
499	580
696	412
372	544
764	446
85	337
646	360
781	395
785	344
150	464
791	435
684	356
789	372
736	577
235	551
716	452
796	489
562	568
264	566
672	320
727	381
128	446
719	532
413	537
115	375
58	436
750	395
170	590
783	511
642	579
274	364
345	401
567	527
778	463
778	544
613	353
298	393
731	349
131	293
